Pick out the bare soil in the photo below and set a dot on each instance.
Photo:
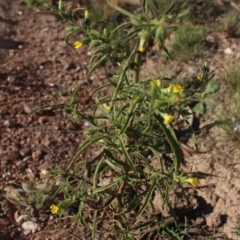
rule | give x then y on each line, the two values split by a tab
37	68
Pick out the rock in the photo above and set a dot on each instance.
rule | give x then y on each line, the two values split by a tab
29	227
15	147
7	123
11	78
72	126
37	155
26	108
21	165
25	151
46	142
30	174
21	218
228	51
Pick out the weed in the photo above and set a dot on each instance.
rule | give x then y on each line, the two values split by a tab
229	23
116	187
188	42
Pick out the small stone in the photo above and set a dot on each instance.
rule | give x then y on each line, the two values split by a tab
228	51
11	78
87	124
25	151
21	218
15	147
26	232
200	221
7	123
72	126
46	142
27	158
30	174
26	108
42	120
21	165
30	227
37	155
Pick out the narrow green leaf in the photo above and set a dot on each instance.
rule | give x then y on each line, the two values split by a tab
105	187
100	87
123	25
153	8
115	159
89	141
148	197
66	39
170	8
102	59
121	10
46	107
95	176
128	158
167	52
172	139
77	10
129	118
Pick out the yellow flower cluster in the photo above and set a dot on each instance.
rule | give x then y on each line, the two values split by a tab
106	107
199	78
168	118
155	83
141	49
175	88
193	181
78	44
54	209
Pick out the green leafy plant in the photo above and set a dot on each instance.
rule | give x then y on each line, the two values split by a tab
188	42
229	23
230	114
134	122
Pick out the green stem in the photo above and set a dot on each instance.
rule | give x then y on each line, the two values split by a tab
137	63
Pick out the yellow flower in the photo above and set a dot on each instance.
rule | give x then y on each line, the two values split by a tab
54	209
193	181
154	83
199	78
175	88
78	44
107	107
168	118
141	48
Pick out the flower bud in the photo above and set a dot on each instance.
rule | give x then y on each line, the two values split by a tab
160	36
87	19
61	6
144	36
